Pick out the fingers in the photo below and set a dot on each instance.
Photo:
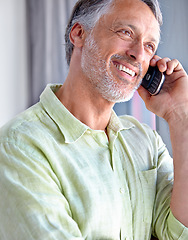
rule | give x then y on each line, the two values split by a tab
154	60
166	64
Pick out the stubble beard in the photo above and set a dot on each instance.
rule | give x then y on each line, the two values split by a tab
94	67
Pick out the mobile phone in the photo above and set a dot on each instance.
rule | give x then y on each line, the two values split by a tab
153	80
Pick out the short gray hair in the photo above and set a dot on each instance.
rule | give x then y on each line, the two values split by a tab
88	12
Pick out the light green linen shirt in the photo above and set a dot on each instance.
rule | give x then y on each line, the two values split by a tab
61	180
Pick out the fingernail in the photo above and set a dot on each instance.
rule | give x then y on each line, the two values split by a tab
153	60
162	66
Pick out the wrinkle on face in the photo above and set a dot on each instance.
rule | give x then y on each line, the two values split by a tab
104	46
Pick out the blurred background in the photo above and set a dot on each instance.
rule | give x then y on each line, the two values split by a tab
32	53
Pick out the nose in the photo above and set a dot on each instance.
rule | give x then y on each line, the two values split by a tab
136	51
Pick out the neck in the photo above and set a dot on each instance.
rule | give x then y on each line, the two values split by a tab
84	103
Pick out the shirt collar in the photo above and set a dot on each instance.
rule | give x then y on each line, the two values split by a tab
118	124
71	128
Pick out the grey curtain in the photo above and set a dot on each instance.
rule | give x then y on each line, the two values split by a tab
46	20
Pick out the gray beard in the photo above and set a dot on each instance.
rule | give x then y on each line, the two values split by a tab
95	69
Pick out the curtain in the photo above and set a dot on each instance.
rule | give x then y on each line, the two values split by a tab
47	21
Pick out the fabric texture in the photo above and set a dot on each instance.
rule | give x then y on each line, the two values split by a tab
59	179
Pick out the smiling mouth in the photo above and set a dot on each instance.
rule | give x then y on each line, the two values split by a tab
125	70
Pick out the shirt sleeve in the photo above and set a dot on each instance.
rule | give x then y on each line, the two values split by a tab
32	204
165	225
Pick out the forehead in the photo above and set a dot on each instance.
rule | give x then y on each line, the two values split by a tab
135	13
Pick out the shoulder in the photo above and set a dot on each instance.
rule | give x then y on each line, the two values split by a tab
142	137
135	125
27	125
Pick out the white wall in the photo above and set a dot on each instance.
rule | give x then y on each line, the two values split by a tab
13	59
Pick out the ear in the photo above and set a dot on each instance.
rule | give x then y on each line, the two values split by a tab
77	35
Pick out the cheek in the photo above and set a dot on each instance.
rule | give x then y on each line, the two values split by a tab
112	45
145	67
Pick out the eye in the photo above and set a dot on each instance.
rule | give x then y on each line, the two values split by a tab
151	47
124	33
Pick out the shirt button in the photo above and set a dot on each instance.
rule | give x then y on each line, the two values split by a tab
122	190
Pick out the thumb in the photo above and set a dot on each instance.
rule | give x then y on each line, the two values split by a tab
144	94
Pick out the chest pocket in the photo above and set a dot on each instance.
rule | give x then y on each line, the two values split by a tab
148	181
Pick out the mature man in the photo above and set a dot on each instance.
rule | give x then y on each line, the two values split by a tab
72	169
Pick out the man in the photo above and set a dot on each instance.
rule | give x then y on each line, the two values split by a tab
72	169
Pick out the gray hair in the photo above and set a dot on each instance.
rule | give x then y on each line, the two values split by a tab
88	12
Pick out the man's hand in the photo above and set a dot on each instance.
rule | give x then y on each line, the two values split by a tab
173	98
172	105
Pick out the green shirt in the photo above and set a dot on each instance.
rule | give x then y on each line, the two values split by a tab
61	180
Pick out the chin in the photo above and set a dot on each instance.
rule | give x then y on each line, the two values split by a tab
119	97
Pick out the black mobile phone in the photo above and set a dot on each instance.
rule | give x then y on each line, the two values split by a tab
153	80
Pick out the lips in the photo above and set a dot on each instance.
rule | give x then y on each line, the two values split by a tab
125	69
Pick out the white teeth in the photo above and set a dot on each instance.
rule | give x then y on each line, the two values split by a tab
126	70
